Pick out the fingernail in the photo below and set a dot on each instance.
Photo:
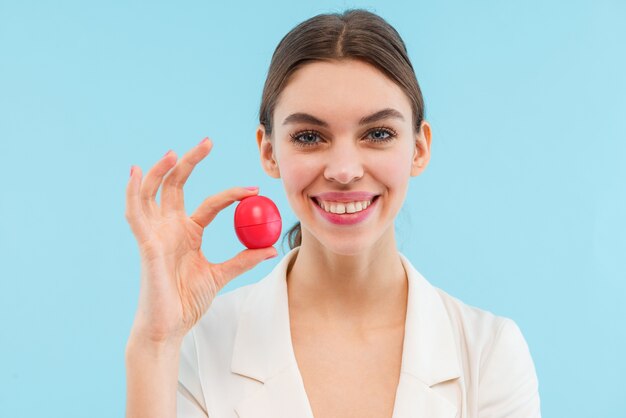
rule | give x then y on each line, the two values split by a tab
271	256
167	153
204	140
251	187
132	167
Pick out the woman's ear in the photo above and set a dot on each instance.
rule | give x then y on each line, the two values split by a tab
266	151
421	155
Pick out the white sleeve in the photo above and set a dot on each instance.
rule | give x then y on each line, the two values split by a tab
508	385
189	396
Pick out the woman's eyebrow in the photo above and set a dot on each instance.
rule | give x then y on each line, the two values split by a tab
301	117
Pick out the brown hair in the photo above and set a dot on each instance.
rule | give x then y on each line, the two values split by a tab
353	34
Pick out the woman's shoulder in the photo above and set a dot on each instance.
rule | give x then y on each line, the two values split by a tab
495	357
473	324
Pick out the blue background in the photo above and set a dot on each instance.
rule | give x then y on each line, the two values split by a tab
521	210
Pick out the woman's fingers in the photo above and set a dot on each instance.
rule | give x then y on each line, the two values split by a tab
212	205
172	199
153	180
134	212
242	262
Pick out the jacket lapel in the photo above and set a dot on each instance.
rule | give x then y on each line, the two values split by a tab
263	352
429	354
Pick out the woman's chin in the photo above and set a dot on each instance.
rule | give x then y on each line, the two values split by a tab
345	246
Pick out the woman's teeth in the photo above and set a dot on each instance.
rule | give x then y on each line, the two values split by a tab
348	207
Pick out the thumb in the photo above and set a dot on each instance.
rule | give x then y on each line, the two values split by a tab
241	263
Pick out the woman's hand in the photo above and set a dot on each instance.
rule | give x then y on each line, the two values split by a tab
178	283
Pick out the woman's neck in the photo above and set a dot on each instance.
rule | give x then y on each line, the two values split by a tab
364	291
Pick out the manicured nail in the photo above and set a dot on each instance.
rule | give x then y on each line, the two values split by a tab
271	256
167	153
132	167
204	140
251	188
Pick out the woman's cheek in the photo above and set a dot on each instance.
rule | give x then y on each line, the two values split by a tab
298	172
393	169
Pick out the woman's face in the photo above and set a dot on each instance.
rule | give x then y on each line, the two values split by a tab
344	146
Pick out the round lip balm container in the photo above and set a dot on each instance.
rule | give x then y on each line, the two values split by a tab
257	222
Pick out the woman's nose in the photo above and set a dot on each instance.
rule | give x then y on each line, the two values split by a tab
344	163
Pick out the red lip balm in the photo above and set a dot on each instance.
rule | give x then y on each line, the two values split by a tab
257	222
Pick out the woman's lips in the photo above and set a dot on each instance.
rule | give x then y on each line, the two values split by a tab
347	218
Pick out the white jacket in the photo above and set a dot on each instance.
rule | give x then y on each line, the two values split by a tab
458	361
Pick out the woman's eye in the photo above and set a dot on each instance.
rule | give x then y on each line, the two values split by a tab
308	137
381	135
305	138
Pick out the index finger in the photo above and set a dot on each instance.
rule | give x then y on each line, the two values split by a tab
212	205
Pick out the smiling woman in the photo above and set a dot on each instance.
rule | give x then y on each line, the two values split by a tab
344	325
345	128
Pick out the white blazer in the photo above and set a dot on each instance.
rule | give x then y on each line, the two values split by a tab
458	361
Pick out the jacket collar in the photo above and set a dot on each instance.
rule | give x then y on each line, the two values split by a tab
263	351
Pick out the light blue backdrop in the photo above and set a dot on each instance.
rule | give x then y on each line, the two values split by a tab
521	211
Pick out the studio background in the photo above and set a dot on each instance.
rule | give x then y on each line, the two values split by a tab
521	211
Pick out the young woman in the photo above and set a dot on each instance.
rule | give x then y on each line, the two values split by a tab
344	325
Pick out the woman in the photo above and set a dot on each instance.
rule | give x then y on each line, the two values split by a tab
344	325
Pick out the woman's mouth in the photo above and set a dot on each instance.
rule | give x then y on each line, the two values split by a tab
344	207
345	213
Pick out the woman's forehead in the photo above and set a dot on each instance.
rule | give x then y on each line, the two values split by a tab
347	89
